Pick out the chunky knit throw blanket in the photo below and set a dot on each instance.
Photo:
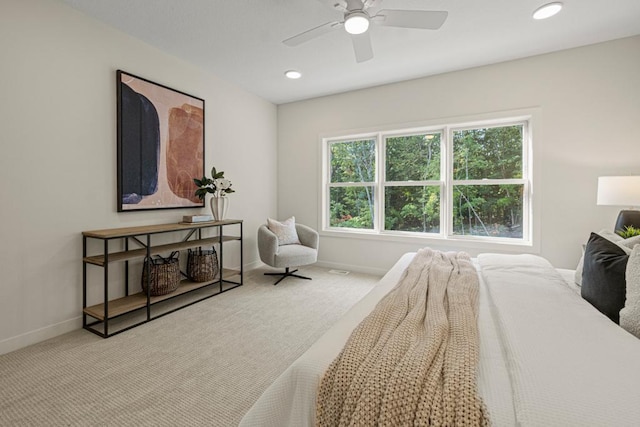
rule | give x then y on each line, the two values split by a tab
413	360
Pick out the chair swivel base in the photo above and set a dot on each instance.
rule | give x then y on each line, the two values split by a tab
286	274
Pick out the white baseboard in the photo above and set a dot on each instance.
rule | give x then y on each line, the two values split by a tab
354	268
32	337
253	265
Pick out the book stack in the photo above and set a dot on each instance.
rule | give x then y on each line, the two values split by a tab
197	218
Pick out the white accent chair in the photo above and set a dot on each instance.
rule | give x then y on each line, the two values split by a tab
288	256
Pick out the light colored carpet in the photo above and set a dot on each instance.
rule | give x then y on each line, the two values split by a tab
203	365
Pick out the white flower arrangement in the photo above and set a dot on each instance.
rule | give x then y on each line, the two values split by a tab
222	184
217	185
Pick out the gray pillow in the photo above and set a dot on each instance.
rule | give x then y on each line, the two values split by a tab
631	241
630	314
285	231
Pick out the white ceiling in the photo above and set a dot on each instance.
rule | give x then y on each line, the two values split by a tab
241	40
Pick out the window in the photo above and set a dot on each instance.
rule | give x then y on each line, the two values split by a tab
352	183
412	182
451	181
488	189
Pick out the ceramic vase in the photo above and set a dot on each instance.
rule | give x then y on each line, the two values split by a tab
219	206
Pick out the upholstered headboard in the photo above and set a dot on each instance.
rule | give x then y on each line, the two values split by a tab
628	218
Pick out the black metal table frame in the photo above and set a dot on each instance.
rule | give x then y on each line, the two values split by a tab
197	229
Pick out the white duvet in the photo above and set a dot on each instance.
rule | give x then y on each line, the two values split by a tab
547	357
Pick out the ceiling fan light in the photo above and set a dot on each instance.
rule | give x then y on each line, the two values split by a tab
293	74
356	23
547	10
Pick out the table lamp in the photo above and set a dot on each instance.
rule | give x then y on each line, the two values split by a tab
621	191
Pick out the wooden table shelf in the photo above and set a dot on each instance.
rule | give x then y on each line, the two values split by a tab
109	309
124	305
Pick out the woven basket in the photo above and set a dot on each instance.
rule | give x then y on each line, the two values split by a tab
202	266
164	275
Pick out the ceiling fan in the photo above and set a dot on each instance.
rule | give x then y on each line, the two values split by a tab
357	17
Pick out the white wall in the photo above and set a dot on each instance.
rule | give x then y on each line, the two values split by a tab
58	161
588	108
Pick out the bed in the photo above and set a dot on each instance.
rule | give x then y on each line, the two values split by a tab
546	356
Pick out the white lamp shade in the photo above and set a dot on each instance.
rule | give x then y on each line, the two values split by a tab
619	190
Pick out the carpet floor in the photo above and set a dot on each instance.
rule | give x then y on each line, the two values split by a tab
203	365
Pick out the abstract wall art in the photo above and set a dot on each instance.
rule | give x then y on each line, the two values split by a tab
160	145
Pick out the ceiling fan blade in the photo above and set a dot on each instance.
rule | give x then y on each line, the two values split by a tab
311	34
362	46
424	19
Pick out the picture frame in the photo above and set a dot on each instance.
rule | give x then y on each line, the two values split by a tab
160	134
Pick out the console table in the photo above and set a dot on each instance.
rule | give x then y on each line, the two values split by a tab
113	316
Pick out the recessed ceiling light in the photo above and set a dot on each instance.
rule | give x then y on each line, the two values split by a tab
293	74
356	23
547	10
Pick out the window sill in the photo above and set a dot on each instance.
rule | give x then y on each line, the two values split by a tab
452	242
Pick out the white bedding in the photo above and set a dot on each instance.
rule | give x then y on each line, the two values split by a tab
547	358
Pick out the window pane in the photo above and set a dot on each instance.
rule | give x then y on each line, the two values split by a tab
412	209
413	158
353	161
492	153
488	210
351	207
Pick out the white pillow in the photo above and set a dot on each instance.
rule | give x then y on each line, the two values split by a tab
630	314
285	231
577	278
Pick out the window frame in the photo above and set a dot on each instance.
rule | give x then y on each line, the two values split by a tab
446	182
